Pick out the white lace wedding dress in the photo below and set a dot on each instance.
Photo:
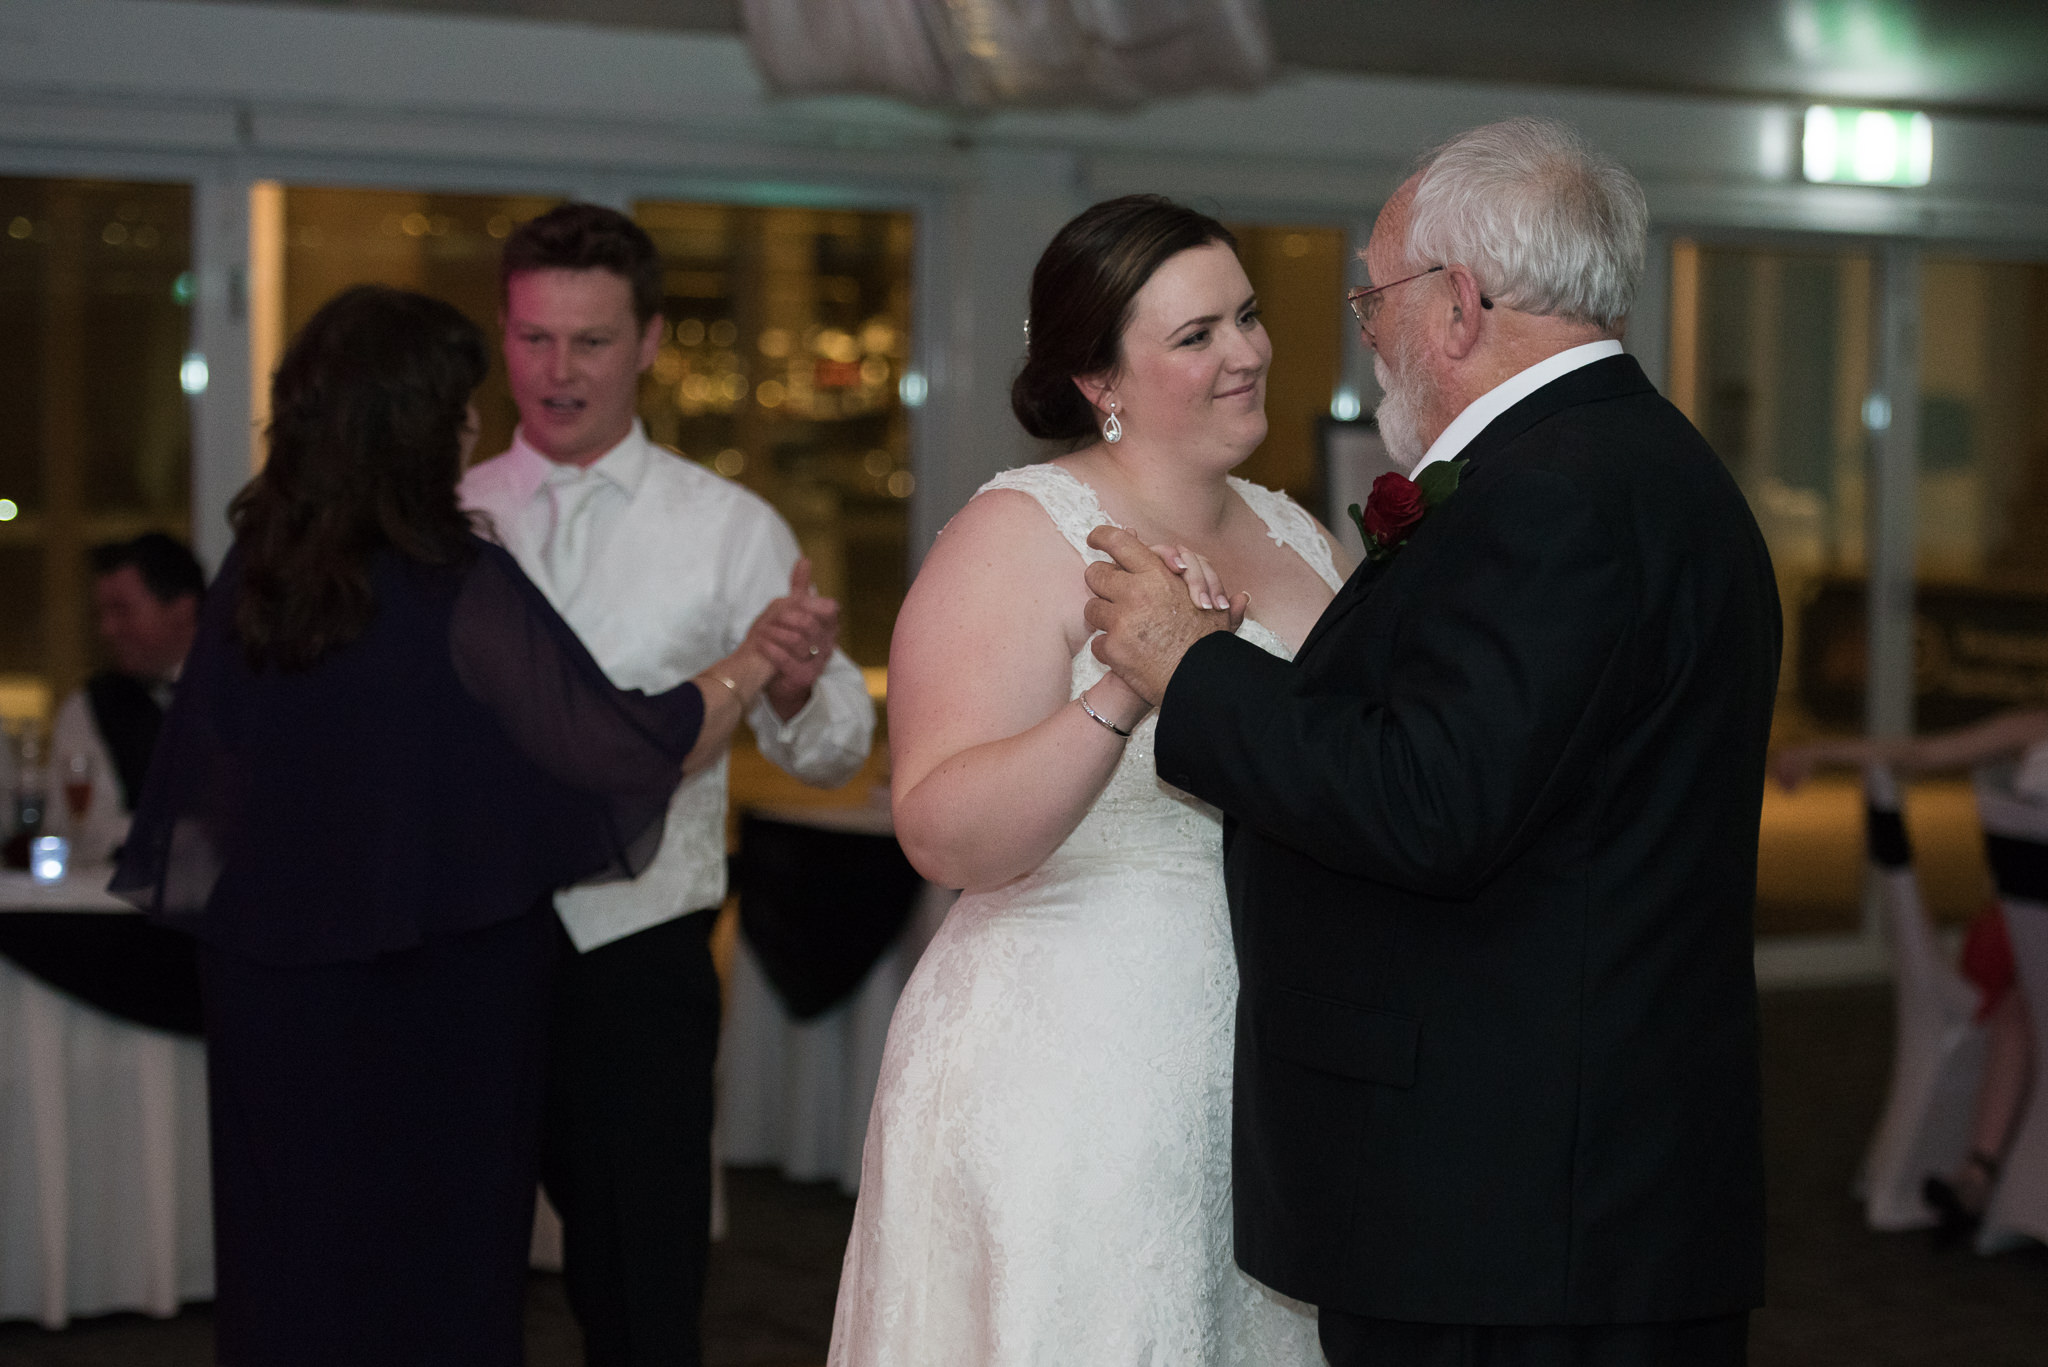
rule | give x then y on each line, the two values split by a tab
1046	1179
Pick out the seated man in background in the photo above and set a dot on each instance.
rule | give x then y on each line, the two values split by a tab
146	596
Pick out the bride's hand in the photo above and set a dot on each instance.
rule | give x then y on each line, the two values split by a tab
1205	586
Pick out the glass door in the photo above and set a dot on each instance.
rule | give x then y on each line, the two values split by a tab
1771	356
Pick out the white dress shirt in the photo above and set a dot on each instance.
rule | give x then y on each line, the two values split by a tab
1505	395
660	566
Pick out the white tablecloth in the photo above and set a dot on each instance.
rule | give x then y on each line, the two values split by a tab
795	1095
105	1198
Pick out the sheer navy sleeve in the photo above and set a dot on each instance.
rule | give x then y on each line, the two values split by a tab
460	761
516	656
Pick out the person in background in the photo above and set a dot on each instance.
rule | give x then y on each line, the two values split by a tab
659	565
386	753
2008	753
146	597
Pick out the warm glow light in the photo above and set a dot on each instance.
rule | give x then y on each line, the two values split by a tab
192	374
9	510
1867	146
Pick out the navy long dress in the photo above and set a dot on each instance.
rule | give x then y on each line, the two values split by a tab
365	851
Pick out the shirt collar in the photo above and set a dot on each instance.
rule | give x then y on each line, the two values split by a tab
1483	410
625	465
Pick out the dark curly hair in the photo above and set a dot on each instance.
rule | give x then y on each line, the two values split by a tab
367	410
581	237
1082	293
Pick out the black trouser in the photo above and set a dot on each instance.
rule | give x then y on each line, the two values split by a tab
626	1148
1360	1341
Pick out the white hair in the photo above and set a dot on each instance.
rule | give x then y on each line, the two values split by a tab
1548	225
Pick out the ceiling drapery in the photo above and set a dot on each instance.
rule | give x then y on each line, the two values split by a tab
987	54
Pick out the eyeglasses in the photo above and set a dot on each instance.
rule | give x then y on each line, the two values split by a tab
1365	300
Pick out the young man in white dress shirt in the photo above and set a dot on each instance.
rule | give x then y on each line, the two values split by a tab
660	566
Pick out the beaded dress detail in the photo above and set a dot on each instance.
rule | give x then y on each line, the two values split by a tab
1046	1178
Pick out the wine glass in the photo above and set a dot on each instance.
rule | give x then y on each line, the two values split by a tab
78	785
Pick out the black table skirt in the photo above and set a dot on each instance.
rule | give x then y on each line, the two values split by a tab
819	906
115	961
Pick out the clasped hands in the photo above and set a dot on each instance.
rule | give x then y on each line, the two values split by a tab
1151	603
795	634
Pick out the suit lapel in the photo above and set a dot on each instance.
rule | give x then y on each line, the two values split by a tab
1612	378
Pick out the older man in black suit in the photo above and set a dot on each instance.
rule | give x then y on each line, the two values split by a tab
1491	846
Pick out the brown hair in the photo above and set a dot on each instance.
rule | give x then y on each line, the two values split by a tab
367	410
581	237
1082	293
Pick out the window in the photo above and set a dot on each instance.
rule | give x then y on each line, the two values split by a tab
1771	355
787	332
95	284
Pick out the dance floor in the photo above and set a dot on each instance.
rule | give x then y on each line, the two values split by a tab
1841	1295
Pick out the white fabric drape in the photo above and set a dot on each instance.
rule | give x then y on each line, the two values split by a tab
985	54
105	1199
795	1095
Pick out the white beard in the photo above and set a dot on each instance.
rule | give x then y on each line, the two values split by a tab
1399	414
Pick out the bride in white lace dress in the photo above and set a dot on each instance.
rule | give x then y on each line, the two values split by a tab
1047	1171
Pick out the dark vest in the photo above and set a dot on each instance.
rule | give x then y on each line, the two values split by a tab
128	718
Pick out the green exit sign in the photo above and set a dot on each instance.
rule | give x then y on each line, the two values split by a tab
1868	146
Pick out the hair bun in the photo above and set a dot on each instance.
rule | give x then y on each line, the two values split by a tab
1048	405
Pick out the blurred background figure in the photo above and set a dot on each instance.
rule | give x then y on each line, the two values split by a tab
146	596
2008	754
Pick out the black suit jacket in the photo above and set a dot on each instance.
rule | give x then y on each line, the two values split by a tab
1491	852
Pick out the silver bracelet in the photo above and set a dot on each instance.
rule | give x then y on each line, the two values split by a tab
1083	700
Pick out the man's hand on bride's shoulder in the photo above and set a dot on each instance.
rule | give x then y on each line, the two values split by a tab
1148	613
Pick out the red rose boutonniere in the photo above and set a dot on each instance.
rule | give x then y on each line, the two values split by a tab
1397	505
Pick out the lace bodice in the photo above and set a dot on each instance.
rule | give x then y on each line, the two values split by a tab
1136	811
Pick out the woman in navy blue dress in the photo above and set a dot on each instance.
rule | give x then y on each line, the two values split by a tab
385	754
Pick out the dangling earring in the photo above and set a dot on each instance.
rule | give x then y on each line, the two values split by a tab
1112	431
